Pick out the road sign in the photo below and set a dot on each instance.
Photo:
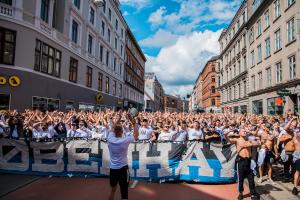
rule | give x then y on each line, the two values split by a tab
284	92
14	81
99	98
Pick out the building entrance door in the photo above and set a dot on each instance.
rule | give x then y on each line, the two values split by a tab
295	102
4	101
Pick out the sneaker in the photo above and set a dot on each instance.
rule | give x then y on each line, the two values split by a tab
295	191
260	180
255	196
272	182
240	197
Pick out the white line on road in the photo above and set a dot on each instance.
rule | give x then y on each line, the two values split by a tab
135	182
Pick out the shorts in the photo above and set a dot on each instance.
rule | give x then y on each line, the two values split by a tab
269	159
297	165
121	177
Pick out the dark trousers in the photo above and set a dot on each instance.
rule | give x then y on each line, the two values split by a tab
244	171
289	164
120	176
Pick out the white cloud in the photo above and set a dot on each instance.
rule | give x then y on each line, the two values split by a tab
161	38
125	13
192	13
138	4
156	17
177	66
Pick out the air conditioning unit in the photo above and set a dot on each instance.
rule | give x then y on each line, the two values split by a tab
99	3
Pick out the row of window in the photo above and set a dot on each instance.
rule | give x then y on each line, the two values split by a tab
279	74
73	75
273	107
235	91
235	70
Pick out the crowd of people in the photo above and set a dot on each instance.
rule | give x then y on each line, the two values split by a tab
272	138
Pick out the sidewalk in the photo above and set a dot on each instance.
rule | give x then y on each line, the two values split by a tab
280	190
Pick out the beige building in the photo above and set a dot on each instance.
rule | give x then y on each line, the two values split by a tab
198	92
153	93
259	58
232	69
274	57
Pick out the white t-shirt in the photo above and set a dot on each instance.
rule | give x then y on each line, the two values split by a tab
145	133
118	149
195	134
40	133
165	136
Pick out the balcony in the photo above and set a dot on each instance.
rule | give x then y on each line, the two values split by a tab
6	10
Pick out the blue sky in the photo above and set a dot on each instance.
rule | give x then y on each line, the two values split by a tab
178	36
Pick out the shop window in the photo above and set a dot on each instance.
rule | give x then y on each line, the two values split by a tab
4	101
45	104
275	106
257	107
70	106
86	107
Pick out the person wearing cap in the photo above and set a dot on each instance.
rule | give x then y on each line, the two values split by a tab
146	132
118	143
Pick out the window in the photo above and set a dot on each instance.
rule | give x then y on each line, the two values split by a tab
47	59
101	53
104	7
115	64
92	15
259	28
86	107
76	3
277	8
73	70
100	80
267	19
114	88
108	35
109	14
213	90
89	76
245	88
260	81
121	66
103	28
107	58
213	102
257	107
4	101
290	2
245	62
277	40
239	91
8	2
275	106
292	66
269	76
7	46
45	10
90	44
122	32
259	53
120	90
256	4
121	50
44	104
74	31
212	79
268	47
117	25
291	31
253	82
116	43
70	106
252	58
278	72
107	85
251	35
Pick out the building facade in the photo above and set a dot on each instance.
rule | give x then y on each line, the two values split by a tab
153	94
134	74
198	92
172	103
260	58
61	54
232	69
210	96
274	55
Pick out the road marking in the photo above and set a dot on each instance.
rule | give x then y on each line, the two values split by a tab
135	182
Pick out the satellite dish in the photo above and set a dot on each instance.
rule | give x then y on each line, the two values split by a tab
99	3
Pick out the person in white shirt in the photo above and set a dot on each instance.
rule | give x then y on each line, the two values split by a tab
40	131
165	134
146	132
83	131
118	143
195	133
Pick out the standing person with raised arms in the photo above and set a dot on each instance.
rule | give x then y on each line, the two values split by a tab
118	143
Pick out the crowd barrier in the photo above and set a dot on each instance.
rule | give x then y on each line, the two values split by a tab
157	162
